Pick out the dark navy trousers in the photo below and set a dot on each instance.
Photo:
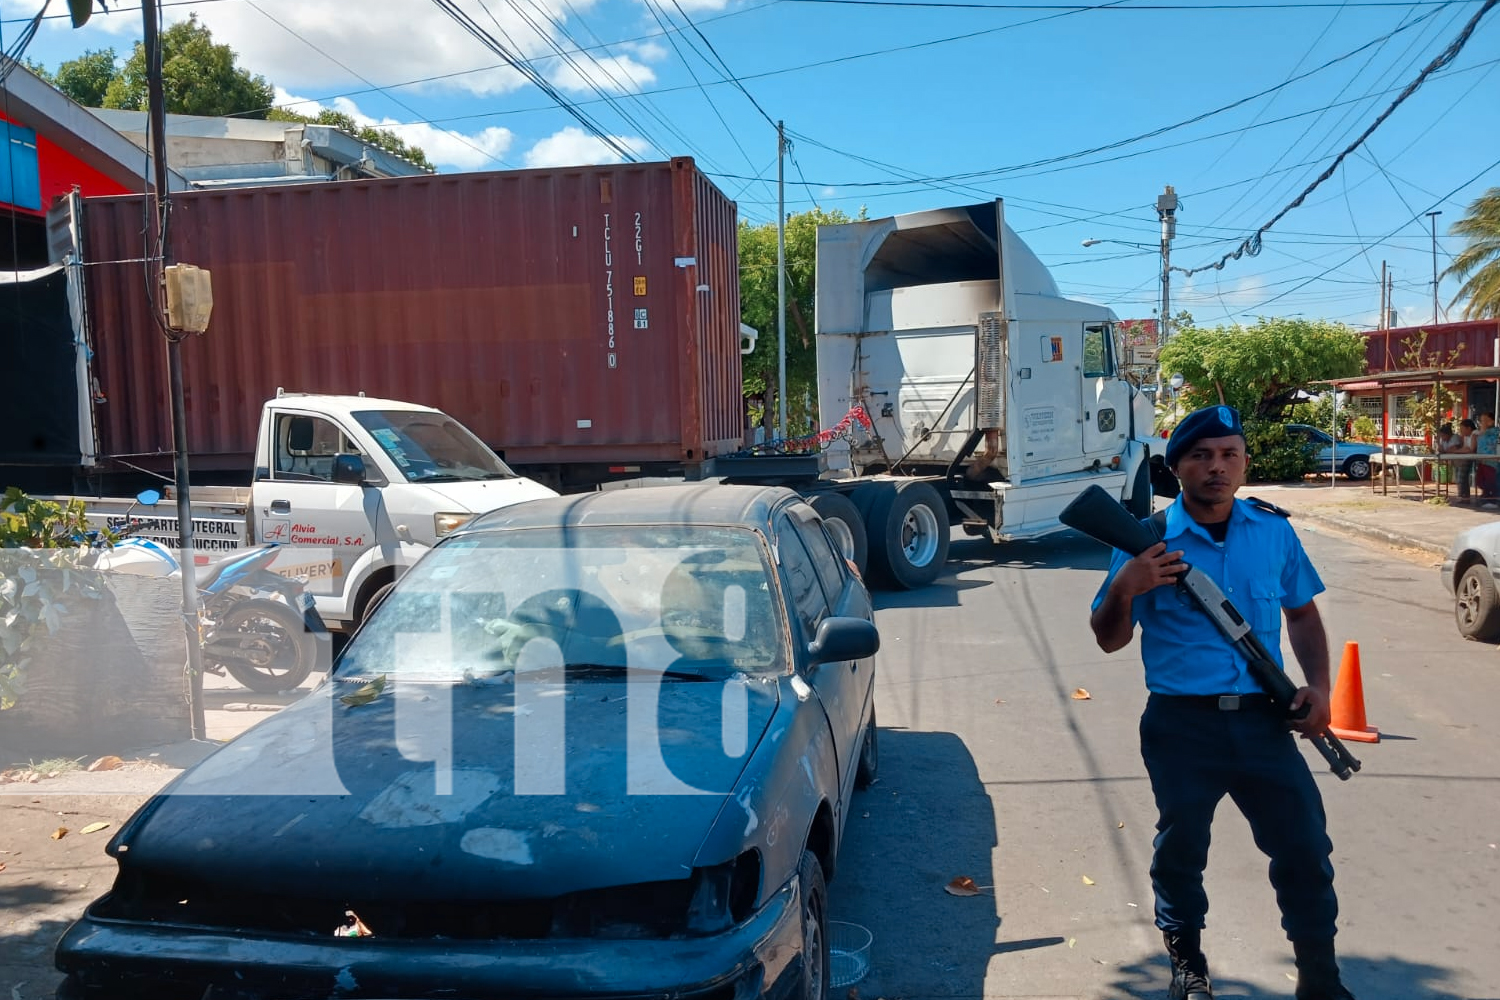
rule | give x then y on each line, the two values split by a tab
1196	754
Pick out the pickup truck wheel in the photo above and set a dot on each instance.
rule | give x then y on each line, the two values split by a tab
1357	467
279	651
908	529
845	525
1139	503
1475	606
817	959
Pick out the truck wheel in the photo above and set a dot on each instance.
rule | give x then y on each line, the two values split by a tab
1475	607
1139	503
845	525
908	530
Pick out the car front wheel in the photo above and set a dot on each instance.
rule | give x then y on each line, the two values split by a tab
1475	606
1357	467
817	968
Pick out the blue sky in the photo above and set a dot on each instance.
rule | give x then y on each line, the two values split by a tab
875	95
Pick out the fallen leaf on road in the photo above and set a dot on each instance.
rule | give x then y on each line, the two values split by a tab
94	828
1133	904
2	866
962	886
1119	826
999	701
59	833
1087	880
1081	694
1072	942
106	763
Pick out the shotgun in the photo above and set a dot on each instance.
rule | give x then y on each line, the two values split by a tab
1102	518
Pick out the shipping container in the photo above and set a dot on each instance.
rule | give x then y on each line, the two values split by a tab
582	319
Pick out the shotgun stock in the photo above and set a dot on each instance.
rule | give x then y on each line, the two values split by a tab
1101	517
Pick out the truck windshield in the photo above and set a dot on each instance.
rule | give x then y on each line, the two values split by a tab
431	447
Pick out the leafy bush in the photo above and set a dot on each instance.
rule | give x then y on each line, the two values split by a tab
44	555
1365	429
1276	456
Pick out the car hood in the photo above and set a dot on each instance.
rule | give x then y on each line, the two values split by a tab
330	801
483	495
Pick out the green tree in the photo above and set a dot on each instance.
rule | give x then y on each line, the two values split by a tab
198	77
1258	369
1478	265
758	309
87	78
379	137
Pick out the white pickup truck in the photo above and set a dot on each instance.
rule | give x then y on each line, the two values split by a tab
355	488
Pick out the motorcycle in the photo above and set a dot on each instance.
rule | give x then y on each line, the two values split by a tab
258	626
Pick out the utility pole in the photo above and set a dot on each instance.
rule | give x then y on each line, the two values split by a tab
1383	325
780	282
1433	216
1166	210
151	44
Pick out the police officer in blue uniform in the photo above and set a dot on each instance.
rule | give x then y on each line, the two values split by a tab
1208	730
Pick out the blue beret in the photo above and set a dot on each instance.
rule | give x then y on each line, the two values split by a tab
1209	422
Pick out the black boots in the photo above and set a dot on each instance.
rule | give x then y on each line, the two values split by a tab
1318	972
1190	968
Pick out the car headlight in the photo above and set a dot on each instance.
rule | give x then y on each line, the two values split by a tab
724	895
448	523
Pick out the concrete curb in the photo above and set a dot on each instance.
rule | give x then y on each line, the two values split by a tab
1347	526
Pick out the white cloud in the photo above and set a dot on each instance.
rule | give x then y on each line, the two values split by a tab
483	150
574	147
613	74
329	45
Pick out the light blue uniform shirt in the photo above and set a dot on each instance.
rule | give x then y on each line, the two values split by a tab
1261	568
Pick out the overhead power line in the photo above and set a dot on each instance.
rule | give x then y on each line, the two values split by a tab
1252	243
513	59
1087	8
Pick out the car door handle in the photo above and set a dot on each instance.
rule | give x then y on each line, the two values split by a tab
281	506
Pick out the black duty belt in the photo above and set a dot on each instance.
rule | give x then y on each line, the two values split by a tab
1221	702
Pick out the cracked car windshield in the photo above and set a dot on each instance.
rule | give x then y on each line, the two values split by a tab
600	600
432	447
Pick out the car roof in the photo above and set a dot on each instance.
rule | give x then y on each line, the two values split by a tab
696	503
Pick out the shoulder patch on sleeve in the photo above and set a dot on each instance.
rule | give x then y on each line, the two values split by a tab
1268	507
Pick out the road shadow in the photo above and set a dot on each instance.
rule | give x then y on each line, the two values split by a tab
26	947
926	821
1367	977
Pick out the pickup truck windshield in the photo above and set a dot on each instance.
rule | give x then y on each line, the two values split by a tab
432	447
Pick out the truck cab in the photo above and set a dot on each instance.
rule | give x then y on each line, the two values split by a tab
974	370
357	488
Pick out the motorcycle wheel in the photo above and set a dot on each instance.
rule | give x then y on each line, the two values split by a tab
249	624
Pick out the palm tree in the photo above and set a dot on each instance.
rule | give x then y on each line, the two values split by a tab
1478	266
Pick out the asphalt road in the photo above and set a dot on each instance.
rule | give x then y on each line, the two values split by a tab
991	769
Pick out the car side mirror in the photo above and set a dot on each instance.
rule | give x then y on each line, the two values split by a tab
349	469
841	639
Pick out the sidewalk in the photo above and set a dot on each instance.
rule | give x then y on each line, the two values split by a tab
1404	518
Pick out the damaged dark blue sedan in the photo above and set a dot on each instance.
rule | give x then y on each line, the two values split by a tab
598	746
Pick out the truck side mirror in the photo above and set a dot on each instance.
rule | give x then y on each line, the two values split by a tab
349	469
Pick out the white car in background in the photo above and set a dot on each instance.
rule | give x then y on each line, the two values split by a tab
1349	457
1469	574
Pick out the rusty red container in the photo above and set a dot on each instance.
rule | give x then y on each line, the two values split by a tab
572	315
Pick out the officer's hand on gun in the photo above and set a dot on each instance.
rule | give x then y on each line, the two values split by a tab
1155	567
1318	714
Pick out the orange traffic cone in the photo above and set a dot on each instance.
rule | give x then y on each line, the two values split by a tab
1348	703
